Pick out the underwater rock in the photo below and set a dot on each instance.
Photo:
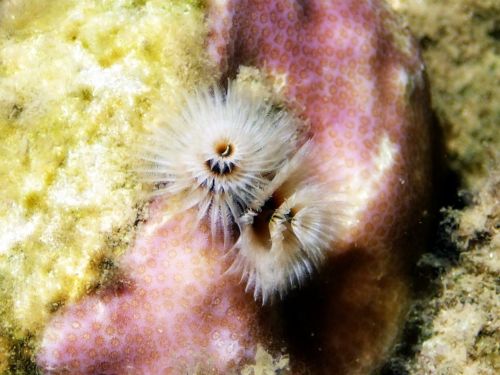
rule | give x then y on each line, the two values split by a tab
77	84
354	76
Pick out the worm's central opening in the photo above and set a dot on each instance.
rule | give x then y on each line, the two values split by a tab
222	164
224	149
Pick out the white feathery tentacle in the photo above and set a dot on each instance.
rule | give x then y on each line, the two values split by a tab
288	231
219	152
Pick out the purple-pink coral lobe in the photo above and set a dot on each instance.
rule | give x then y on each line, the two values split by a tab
354	75
175	313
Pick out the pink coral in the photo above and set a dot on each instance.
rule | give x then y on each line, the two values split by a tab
350	71
174	314
353	72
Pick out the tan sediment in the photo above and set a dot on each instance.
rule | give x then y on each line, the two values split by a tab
459	323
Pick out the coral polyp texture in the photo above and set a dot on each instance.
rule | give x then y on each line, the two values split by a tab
344	75
174	314
352	70
219	153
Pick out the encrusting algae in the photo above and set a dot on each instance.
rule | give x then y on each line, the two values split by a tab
78	81
457	314
460	42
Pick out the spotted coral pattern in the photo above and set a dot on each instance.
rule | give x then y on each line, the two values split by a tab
350	69
173	313
354	74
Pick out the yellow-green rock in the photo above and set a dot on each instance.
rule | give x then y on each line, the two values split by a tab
78	81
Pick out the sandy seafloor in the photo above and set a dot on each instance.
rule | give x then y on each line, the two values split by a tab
454	326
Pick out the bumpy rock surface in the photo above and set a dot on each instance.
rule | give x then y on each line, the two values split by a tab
354	76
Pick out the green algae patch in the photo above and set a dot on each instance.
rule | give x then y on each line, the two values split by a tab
461	48
78	80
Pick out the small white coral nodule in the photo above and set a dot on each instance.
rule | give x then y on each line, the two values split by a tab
288	237
219	152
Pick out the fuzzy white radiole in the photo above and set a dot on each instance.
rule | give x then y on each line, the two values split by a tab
290	235
219	152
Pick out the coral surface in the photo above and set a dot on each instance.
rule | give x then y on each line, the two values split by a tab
172	312
353	76
361	294
82	80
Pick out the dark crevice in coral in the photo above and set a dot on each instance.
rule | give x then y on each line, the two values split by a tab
356	320
443	255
